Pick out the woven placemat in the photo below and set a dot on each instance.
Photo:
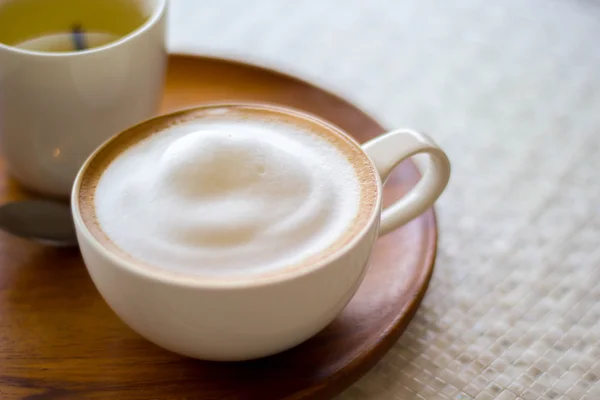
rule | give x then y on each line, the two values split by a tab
511	90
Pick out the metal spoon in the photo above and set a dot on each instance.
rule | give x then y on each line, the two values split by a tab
78	37
44	221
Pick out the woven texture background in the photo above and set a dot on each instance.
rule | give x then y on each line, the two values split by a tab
511	90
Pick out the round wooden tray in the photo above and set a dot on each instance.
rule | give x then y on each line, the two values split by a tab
58	338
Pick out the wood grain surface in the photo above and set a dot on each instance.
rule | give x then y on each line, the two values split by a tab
59	340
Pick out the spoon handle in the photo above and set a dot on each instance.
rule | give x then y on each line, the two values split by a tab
78	38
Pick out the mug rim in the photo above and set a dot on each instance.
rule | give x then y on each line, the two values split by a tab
157	14
164	275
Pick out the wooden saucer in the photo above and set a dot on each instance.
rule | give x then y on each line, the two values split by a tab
58	338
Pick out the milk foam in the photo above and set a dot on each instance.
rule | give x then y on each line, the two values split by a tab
219	197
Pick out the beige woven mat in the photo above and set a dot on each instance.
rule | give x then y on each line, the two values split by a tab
511	89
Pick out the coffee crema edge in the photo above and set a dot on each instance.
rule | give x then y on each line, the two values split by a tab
366	175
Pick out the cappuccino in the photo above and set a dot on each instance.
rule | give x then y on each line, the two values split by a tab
228	191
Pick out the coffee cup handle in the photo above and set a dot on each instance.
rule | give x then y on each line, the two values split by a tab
387	151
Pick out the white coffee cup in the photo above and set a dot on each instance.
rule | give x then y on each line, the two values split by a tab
253	317
57	107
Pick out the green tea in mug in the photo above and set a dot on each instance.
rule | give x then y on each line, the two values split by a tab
47	25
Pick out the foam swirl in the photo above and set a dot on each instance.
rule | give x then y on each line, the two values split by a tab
227	196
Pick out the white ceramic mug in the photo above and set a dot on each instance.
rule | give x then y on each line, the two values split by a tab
238	320
56	108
